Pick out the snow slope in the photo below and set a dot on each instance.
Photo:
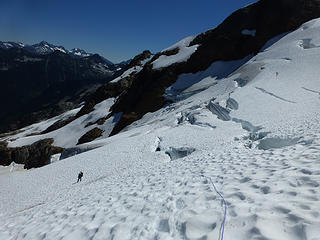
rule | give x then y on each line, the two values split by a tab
183	54
254	133
68	135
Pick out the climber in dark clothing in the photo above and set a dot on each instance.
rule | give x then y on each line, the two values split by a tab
80	175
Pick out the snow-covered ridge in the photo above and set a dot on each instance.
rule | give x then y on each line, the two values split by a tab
79	52
133	70
7	45
127	73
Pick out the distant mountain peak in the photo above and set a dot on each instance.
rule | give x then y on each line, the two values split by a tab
7	45
43	48
80	52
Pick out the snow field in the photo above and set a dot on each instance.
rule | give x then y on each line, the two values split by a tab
141	194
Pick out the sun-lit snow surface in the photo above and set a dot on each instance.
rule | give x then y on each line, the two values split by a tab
41	126
183	55
133	70
189	84
255	134
127	73
11	168
68	135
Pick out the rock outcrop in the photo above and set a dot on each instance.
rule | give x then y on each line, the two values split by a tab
5	154
35	155
90	135
136	61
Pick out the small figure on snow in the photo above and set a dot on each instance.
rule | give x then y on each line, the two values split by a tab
80	175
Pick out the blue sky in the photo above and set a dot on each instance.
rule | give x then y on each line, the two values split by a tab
118	30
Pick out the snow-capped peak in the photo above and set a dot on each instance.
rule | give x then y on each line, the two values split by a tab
7	45
79	52
44	48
